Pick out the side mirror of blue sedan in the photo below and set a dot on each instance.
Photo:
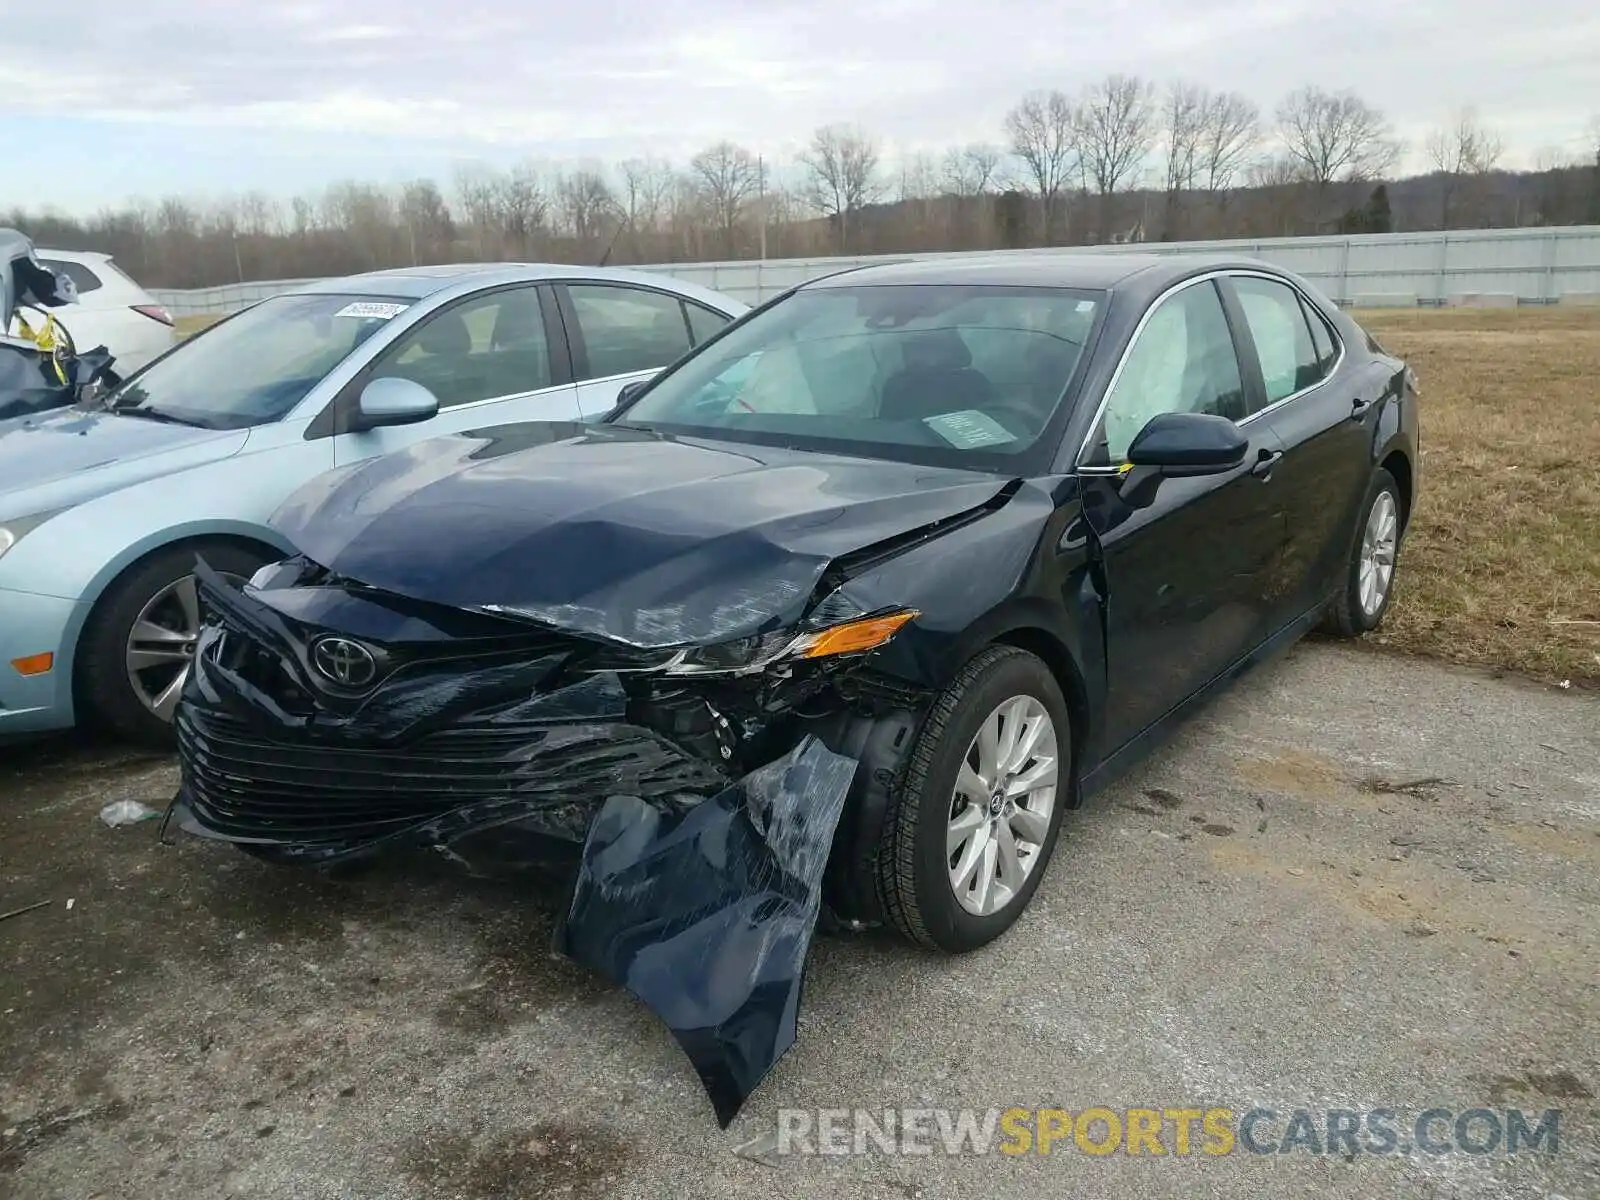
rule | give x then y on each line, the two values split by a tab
394	401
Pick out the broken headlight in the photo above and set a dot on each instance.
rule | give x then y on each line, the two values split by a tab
745	656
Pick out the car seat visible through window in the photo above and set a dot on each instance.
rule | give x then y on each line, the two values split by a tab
937	377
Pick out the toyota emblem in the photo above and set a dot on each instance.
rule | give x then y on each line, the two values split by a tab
341	661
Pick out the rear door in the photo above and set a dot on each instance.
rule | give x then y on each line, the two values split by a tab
494	358
1320	409
622	332
1189	564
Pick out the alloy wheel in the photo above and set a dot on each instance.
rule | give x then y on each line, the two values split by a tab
161	645
1000	810
1378	545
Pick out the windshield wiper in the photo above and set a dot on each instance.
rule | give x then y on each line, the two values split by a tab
155	414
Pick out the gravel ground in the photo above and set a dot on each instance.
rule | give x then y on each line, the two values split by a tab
1256	917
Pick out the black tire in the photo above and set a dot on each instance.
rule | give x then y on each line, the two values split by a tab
103	690
1345	616
913	870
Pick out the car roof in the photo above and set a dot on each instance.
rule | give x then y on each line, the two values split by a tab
1096	270
419	282
83	256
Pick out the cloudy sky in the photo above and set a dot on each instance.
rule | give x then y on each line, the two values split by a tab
150	97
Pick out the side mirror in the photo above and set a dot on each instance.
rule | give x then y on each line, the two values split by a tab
1189	444
394	401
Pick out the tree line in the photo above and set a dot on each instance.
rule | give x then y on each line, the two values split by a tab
1118	160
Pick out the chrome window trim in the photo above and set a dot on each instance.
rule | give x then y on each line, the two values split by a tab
1208	277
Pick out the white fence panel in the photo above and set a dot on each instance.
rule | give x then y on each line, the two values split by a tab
1538	266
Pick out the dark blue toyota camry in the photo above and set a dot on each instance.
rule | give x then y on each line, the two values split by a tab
833	618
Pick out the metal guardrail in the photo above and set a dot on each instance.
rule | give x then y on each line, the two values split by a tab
1528	266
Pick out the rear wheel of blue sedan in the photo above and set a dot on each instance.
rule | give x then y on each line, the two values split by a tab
134	655
976	814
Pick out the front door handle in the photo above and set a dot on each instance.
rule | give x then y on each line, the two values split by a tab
1265	461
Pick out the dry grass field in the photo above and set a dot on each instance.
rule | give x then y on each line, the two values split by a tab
1502	565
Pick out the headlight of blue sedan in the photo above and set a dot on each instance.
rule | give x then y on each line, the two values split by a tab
14	530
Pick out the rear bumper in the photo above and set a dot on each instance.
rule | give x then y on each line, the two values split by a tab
31	625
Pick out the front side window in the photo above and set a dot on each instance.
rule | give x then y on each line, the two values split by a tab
628	329
1183	360
967	374
1288	356
255	367
490	346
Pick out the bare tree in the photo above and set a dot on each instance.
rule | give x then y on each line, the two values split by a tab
429	228
522	207
1183	121
477	189
841	166
1116	129
1464	147
728	176
586	201
1335	135
1043	130
969	170
1232	127
646	185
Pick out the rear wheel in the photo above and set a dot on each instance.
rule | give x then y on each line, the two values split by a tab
976	814
1368	585
135	652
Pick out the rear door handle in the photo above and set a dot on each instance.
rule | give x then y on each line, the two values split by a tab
1265	461
1359	407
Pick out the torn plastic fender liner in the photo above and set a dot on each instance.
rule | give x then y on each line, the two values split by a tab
707	918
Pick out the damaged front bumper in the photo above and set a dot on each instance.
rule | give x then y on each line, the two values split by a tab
704	834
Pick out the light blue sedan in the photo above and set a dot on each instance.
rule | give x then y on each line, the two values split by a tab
102	512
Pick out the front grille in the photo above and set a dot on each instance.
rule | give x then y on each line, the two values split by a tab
247	784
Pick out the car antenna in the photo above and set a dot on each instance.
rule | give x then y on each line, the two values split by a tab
606	257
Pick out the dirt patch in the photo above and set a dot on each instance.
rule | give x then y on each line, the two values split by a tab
547	1159
1295	773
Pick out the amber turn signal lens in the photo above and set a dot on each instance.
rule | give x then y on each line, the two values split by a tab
856	636
34	664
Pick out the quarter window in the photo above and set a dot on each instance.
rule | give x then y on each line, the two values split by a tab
1182	361
628	329
1321	337
82	277
704	323
490	346
1288	356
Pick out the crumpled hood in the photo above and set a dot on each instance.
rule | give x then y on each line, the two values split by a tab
615	532
71	455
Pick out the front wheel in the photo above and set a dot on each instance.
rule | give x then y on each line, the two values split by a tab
1368	584
136	648
976	814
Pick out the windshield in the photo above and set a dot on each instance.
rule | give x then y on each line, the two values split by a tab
968	375
255	367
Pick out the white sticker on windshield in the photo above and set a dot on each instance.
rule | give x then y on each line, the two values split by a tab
969	429
371	308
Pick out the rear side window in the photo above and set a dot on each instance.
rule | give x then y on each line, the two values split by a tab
627	329
82	277
1289	359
